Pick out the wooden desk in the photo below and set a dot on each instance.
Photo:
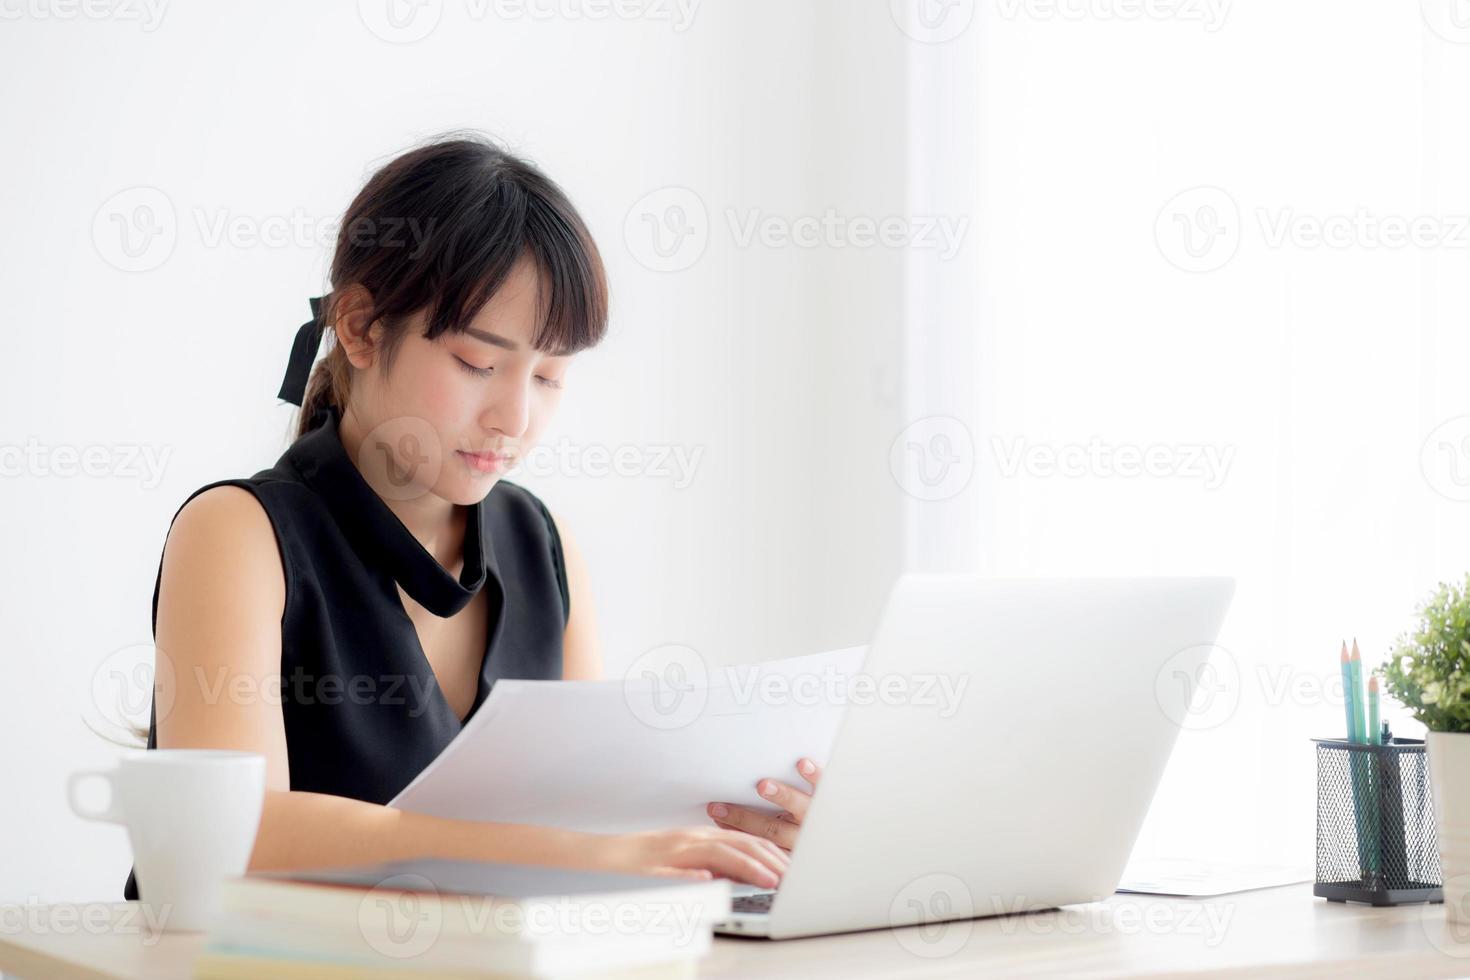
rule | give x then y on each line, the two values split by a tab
1271	932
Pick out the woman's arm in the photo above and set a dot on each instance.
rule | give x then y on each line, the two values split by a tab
300	830
581	654
221	596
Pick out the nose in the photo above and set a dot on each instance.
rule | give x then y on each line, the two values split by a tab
509	406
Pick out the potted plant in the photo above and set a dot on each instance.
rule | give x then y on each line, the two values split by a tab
1428	672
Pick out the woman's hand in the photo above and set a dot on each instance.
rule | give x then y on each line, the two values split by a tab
699	853
782	828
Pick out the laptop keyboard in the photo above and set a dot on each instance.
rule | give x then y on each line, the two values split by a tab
755	904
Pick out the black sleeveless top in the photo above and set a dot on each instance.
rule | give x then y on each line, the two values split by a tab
362	708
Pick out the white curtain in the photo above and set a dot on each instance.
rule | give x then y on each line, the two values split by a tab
1221	253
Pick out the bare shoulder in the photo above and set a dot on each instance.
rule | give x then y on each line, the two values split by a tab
225	506
576	566
562	530
224	536
581	648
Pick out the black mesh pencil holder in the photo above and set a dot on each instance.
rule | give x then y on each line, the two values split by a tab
1375	824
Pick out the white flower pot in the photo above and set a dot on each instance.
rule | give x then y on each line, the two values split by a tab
1449	780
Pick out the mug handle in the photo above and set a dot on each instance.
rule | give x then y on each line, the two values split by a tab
109	813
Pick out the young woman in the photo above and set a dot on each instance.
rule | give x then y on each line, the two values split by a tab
345	611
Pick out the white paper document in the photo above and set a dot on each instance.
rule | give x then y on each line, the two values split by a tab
1202	879
645	753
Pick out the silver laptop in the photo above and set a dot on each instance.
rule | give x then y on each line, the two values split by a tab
1030	792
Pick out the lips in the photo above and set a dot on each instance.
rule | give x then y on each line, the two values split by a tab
485	462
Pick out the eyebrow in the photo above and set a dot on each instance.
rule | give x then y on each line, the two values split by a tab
492	338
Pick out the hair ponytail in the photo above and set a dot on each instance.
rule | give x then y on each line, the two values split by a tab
329	382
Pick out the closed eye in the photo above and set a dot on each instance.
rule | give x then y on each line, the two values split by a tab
485	372
478	372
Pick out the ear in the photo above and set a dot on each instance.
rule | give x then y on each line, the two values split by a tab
358	338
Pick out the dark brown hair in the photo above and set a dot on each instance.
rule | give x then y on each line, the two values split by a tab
439	228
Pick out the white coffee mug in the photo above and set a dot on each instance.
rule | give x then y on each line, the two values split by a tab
191	815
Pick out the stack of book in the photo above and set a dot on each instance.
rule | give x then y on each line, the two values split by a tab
459	920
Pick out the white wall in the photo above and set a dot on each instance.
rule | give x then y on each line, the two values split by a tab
779	365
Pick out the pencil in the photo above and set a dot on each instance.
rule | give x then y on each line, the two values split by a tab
1375	734
1360	721
1352	703
1365	767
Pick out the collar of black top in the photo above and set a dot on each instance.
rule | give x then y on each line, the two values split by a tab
377	534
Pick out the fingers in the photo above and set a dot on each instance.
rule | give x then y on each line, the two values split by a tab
780	830
748	862
777	830
701	853
767	850
762	849
788	798
784	852
783	859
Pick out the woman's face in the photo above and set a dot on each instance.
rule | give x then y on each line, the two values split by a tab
453	414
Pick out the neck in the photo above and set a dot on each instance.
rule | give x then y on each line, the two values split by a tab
435	523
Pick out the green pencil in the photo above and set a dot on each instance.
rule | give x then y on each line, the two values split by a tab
1376	790
1360	721
1375	732
1352	667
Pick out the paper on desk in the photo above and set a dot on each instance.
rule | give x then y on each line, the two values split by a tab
619	756
1186	877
